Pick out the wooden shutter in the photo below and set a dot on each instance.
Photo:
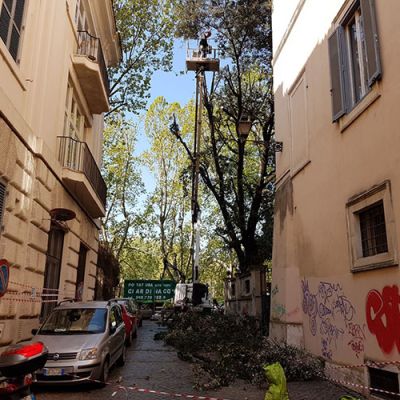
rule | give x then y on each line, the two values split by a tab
2	201
371	41
338	70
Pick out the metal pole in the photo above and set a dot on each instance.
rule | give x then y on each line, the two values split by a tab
196	174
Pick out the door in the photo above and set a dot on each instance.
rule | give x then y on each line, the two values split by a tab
80	275
52	270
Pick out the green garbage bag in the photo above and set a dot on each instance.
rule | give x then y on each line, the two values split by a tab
277	389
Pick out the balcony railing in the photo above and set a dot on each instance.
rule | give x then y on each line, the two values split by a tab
90	47
76	155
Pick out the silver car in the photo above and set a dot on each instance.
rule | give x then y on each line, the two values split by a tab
84	341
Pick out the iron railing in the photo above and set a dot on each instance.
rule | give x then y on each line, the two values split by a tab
90	46
76	155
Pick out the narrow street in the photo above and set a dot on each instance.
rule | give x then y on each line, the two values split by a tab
151	365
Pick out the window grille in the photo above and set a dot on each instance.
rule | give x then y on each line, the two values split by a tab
384	380
373	230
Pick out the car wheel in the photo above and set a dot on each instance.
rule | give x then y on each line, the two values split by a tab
104	372
122	357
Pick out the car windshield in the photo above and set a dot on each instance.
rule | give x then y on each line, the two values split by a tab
75	321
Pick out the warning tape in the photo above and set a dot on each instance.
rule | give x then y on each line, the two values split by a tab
40	288
356	385
26	300
367	364
153	391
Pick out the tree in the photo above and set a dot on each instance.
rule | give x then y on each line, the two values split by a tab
170	202
238	171
124	185
146	34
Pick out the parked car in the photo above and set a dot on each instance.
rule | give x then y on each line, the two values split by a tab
146	310
85	339
133	308
130	318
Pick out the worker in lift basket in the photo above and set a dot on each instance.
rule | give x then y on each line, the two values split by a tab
204	47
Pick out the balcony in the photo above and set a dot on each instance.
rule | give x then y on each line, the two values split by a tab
82	176
91	69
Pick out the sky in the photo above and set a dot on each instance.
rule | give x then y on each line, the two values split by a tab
176	86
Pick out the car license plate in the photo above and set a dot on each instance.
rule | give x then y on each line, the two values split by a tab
53	371
29	397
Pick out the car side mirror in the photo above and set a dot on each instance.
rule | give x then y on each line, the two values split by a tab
113	327
34	331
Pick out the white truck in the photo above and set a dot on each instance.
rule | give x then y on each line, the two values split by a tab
193	295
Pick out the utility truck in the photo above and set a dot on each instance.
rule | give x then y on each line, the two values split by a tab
192	295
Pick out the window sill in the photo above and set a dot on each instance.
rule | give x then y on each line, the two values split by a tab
369	99
12	65
361	266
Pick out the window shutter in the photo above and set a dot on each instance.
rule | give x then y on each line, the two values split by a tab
338	70
2	201
371	40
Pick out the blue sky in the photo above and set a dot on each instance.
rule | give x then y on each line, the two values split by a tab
175	86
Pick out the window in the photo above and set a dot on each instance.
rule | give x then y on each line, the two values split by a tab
371	229
74	121
354	57
11	16
74	126
383	380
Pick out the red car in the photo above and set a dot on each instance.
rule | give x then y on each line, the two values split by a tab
130	320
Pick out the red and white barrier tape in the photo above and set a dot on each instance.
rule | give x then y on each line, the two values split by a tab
158	392
376	364
197	397
358	386
40	289
26	300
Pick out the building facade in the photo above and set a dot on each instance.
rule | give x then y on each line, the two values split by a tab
337	221
54	90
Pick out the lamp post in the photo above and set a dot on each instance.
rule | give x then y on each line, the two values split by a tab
244	127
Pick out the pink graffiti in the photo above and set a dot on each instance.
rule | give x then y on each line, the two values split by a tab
357	346
383	317
357	334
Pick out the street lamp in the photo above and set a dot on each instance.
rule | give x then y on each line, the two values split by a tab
244	127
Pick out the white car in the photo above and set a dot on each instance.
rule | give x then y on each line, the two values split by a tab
84	340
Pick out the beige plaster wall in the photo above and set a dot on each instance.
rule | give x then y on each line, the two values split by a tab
32	98
311	259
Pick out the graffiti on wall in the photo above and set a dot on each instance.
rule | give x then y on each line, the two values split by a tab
383	317
331	316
